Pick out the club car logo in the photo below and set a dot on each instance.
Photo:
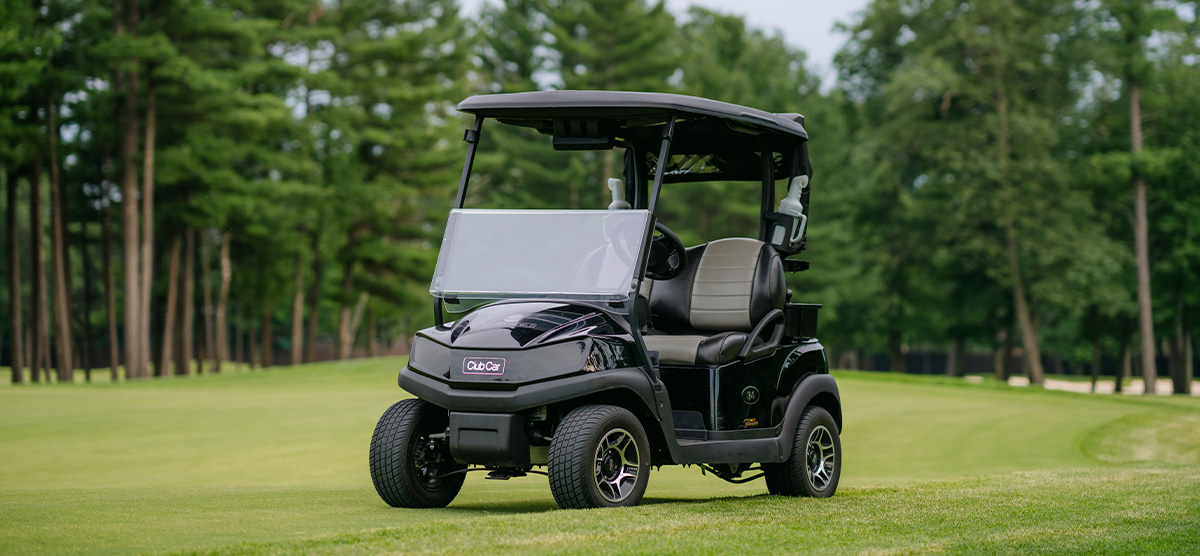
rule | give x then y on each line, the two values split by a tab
483	366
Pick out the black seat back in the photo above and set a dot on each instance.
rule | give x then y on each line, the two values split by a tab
728	285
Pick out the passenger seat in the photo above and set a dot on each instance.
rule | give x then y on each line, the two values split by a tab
707	315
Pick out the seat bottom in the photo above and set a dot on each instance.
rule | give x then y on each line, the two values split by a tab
692	349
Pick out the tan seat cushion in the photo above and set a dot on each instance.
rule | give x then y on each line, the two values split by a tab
717	349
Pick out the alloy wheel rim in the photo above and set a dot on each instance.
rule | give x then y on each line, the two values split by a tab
821	456
616	465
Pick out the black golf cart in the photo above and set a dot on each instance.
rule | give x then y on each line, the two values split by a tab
594	344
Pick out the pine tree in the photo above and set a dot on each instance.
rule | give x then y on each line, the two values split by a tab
612	45
962	112
388	143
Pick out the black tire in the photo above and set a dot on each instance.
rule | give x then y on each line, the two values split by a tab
407	467
599	458
815	463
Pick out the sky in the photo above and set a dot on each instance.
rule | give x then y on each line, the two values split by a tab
806	24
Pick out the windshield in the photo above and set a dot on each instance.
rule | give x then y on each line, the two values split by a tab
572	254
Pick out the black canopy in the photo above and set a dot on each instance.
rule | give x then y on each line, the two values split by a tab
630	109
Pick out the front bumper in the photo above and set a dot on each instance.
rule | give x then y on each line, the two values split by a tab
443	394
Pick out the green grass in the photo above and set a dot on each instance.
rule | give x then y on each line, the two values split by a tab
275	462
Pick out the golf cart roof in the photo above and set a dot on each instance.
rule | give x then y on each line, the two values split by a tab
539	109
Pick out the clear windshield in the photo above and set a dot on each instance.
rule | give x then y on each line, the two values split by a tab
572	254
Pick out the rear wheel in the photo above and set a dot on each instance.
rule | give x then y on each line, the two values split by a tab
599	457
409	469
815	464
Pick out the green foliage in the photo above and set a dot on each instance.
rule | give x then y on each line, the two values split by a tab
321	139
723	59
961	114
613	45
1153	46
386	136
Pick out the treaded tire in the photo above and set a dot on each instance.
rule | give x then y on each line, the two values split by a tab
580	466
793	477
405	472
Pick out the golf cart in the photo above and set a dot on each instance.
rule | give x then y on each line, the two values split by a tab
593	344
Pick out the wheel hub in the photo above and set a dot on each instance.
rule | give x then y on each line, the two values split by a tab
609	466
428	461
820	455
617	465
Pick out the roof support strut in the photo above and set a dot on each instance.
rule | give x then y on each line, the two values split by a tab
768	191
471	136
663	152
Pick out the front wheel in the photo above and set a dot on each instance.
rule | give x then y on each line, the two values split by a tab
815	464
410	469
599	458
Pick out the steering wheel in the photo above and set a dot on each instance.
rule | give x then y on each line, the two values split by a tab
667	257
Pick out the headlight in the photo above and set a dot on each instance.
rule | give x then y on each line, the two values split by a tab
429	357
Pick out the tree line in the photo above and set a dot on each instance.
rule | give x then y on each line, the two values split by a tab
1003	177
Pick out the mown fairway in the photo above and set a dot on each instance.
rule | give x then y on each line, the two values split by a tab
276	462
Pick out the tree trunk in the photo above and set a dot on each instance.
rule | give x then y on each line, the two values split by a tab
187	309
147	239
268	359
168	335
28	356
1189	372
1096	359
895	352
1136	363
998	362
201	352
110	290
222	326
252	340
129	221
314	300
1008	352
1124	364
58	225
1025	323
1181	382
343	343
297	314
14	279
72	317
85	250
1141	245
356	321
372	337
38	315
954	367
206	285
239	346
